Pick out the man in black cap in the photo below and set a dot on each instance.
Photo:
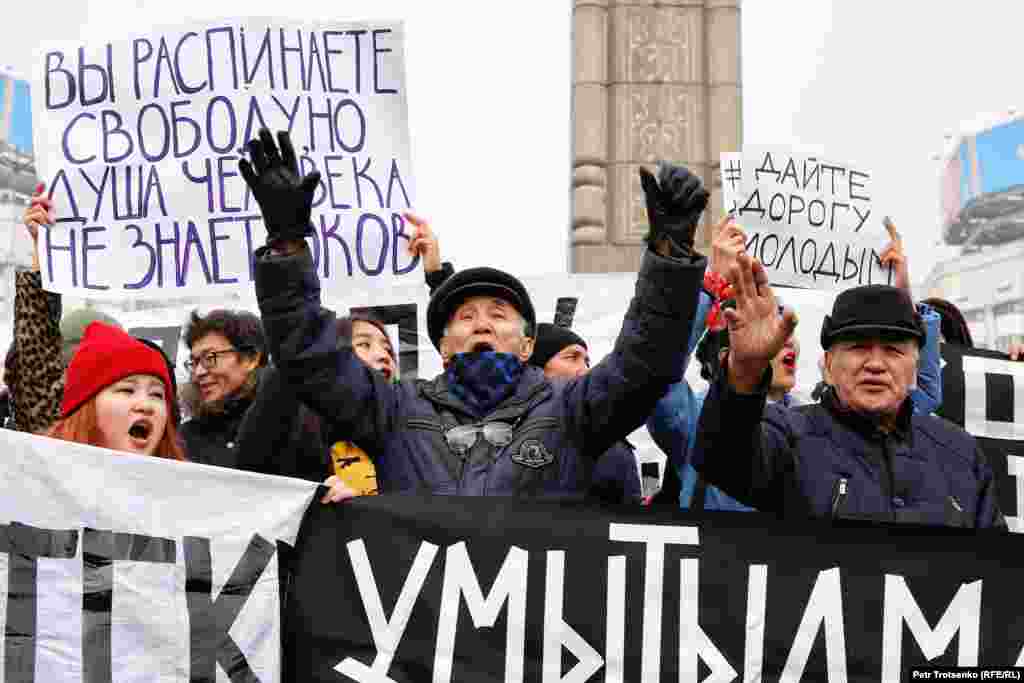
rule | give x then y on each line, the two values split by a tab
859	452
490	424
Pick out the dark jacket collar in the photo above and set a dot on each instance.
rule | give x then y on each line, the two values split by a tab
868	425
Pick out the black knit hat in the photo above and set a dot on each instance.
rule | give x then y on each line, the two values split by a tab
476	282
872	310
550	340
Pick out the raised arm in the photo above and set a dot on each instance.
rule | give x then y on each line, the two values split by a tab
673	424
927	397
742	453
356	402
426	246
618	394
37	383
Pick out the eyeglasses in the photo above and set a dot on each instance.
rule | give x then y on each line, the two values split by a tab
208	360
460	439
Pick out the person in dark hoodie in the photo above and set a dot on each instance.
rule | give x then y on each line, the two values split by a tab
490	424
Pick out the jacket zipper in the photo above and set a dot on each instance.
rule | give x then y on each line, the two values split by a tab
838	495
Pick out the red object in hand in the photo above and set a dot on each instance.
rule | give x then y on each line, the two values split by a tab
720	290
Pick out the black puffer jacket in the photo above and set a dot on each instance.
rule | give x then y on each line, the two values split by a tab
559	429
261	429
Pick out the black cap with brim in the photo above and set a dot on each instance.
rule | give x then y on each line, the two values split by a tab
872	311
476	282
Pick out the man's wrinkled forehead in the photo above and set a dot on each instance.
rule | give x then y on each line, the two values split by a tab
484	302
871	337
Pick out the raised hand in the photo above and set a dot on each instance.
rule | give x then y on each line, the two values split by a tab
337	491
757	329
729	242
285	198
675	201
893	255
40	211
424	243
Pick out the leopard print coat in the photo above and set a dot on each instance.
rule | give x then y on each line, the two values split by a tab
36	379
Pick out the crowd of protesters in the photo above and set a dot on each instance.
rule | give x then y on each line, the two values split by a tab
519	410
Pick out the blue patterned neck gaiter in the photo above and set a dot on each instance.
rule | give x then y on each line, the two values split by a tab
482	380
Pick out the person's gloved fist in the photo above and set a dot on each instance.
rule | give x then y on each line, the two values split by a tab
675	202
285	198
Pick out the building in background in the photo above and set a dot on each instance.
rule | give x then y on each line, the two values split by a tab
982	196
651	81
17	175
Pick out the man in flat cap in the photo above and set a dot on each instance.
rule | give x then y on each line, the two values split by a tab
858	453
490	424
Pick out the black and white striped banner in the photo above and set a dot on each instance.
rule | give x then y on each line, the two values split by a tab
983	391
118	568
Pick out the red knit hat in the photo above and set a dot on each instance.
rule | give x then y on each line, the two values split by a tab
108	354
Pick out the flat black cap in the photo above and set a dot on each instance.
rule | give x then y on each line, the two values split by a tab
872	310
476	282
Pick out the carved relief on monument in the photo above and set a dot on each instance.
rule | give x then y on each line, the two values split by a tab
657	44
663	84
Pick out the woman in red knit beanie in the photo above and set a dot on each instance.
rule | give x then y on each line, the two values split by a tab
117	395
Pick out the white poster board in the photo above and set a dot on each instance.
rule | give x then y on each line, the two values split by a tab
810	221
139	140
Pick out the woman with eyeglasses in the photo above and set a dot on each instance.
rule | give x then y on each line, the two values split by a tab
118	395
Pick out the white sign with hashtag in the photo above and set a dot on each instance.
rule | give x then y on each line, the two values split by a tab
810	221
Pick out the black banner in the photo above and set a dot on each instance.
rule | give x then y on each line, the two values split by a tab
979	394
411	589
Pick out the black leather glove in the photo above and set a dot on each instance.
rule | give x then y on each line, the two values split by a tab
675	202
285	199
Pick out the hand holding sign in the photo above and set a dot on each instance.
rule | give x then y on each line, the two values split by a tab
893	256
285	199
425	243
729	242
39	212
675	202
757	329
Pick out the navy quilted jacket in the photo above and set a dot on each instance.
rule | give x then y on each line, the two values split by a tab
560	428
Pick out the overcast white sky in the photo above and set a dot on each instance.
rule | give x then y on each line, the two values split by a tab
875	82
878	83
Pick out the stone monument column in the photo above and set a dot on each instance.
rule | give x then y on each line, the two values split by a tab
590	127
653	80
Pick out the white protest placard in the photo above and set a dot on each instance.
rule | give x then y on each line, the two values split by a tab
118	567
810	221
139	140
